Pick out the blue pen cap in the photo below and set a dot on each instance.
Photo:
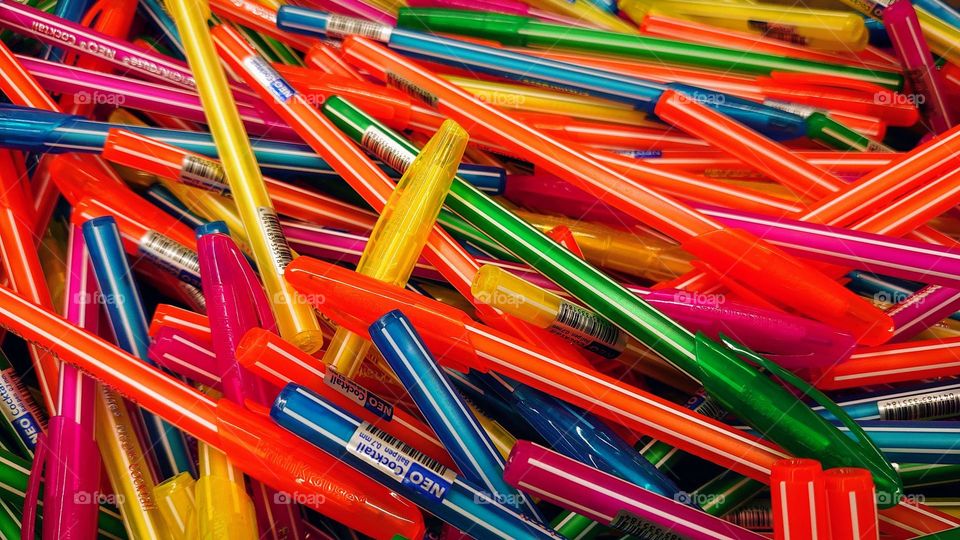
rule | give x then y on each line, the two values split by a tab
212	227
24	128
774	123
486	178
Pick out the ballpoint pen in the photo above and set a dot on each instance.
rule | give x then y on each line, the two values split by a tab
639	93
915	441
799	502
21	414
161	197
504	6
175	499
357	8
127	317
182	353
156	13
523	31
477	459
295	320
940	35
608	499
897	362
929	401
402	229
223	509
392	462
849	494
479	347
256	16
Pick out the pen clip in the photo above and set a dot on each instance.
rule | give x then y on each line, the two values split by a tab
32	495
806	390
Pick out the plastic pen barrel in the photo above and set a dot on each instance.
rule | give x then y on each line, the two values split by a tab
851	504
799	500
175	500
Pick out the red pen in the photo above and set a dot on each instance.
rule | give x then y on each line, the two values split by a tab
798	500
851	504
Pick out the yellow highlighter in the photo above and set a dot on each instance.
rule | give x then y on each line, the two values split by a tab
822	29
224	510
516	97
127	468
402	229
175	501
295	319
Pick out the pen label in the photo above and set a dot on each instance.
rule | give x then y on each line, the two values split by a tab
793	108
205	174
400	461
263	72
171	256
635	526
21	415
358	394
342	26
403	84
781	32
923	407
386	149
276	242
588	330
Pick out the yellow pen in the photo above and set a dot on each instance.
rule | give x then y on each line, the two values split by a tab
224	510
502	439
630	252
127	468
402	230
175	500
295	319
586	11
517	97
815	28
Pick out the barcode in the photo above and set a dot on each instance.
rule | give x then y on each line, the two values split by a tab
782	32
399	82
276	241
588	330
386	149
710	408
922	407
757	518
171	256
634	525
204	174
407	450
341	26
792	108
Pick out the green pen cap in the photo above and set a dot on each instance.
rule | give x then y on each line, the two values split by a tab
506	29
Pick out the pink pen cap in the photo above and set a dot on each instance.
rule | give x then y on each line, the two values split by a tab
186	355
608	499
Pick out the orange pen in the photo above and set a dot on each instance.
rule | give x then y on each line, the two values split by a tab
898	362
324	56
172	163
250	439
260	18
177	318
730	252
724	164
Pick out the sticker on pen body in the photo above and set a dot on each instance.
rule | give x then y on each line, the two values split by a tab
588	330
205	174
23	417
781	32
398	81
386	149
171	256
276	242
400	461
636	526
263	72
924	407
340	26
358	394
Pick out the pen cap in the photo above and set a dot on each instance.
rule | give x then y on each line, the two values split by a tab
799	502
851	503
28	128
212	227
506	29
175	499
504	291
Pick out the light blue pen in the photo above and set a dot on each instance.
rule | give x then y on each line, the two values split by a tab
925	402
398	466
915	442
444	409
941	10
127	317
642	95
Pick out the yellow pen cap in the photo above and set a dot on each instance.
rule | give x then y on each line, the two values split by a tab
224	510
515	296
175	501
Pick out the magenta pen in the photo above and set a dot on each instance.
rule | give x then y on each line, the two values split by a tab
355	8
609	500
186	355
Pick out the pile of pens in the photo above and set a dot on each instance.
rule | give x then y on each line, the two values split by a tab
505	269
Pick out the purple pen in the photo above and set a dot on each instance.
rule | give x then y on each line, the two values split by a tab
236	303
186	355
610	500
73	462
896	257
903	27
354	8
510	7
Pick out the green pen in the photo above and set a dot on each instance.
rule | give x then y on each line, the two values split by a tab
520	31
733	382
928	474
725	493
573	525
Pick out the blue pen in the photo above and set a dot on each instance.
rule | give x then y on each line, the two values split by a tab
398	466
126	314
581	436
444	409
941	10
34	130
925	402
642	95
915	442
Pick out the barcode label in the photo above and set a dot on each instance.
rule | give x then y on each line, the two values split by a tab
922	407
632	524
781	32
399	82
400	461
171	256
588	330
705	405
386	149
280	253
792	108
358	394
342	26
268	77
205	174
22	416
753	518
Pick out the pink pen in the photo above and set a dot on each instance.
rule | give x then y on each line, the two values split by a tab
186	355
354	8
73	462
236	303
610	500
903	27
